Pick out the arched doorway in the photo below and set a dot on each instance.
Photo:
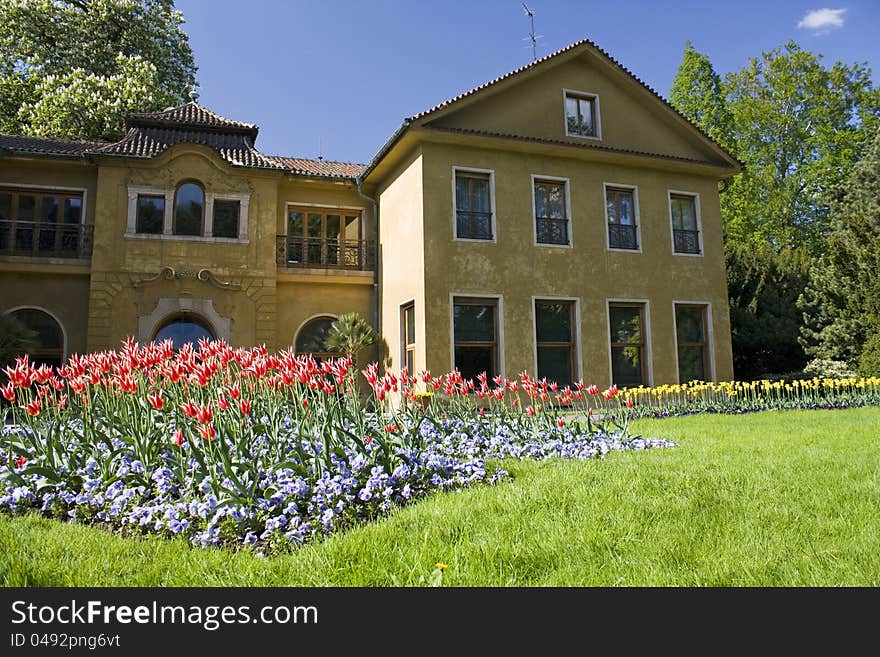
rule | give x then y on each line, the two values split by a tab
182	329
50	340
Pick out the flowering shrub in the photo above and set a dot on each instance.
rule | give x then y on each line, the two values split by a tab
240	446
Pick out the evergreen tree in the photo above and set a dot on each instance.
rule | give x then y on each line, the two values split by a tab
842	301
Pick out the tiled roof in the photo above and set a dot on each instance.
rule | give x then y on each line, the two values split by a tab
190	115
43	146
147	142
322	168
568	48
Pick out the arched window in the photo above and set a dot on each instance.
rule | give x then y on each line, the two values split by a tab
181	329
311	337
49	339
189	209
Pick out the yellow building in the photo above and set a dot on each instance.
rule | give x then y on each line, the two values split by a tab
562	219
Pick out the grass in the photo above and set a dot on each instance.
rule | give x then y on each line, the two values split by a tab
771	499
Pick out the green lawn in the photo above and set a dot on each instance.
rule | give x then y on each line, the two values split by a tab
771	499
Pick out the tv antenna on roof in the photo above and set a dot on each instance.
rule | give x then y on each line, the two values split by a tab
532	37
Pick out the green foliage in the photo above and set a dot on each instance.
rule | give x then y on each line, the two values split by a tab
350	334
869	363
70	68
697	93
841	304
15	339
764	287
797	126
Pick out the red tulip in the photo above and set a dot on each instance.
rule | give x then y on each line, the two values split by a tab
178	437
593	390
156	401
34	407
204	414
245	406
8	392
530	411
630	403
207	432
560	423
223	404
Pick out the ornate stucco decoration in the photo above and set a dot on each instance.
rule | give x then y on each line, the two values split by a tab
203	275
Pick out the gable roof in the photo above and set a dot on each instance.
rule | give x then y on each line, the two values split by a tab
581	45
41	146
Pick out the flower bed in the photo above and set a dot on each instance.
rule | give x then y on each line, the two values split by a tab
240	446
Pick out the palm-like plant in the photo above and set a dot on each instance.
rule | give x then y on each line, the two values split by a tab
350	334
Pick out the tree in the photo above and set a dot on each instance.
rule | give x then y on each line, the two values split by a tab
350	334
697	93
798	127
70	68
841	303
764	287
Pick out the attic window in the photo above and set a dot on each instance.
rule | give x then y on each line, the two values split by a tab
581	115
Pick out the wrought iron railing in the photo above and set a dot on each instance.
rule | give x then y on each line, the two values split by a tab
473	225
552	231
686	241
45	240
622	236
320	253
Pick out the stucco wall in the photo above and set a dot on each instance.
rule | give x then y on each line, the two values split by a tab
402	257
519	270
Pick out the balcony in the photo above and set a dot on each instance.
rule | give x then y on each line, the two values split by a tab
321	253
623	236
45	240
686	241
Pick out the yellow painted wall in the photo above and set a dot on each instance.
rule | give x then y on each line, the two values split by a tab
532	105
402	256
301	301
517	269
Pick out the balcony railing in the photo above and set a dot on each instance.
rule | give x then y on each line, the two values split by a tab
320	253
552	230
622	236
45	240
471	225
686	241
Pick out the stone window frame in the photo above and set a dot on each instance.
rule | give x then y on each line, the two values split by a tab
708	337
577	371
597	119
134	191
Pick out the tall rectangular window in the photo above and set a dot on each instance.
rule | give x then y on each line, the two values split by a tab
693	344
473	205
555	340
408	335
620	209
150	214
628	348
581	115
551	215
475	334
685	223
226	218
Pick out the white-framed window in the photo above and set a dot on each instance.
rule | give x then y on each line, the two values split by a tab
187	212
694	352
629	342
477	334
684	214
473	204
557	344
582	117
623	228
551	210
408	336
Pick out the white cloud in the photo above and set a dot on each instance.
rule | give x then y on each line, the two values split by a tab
822	20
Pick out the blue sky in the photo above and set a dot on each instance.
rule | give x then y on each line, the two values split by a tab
337	77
